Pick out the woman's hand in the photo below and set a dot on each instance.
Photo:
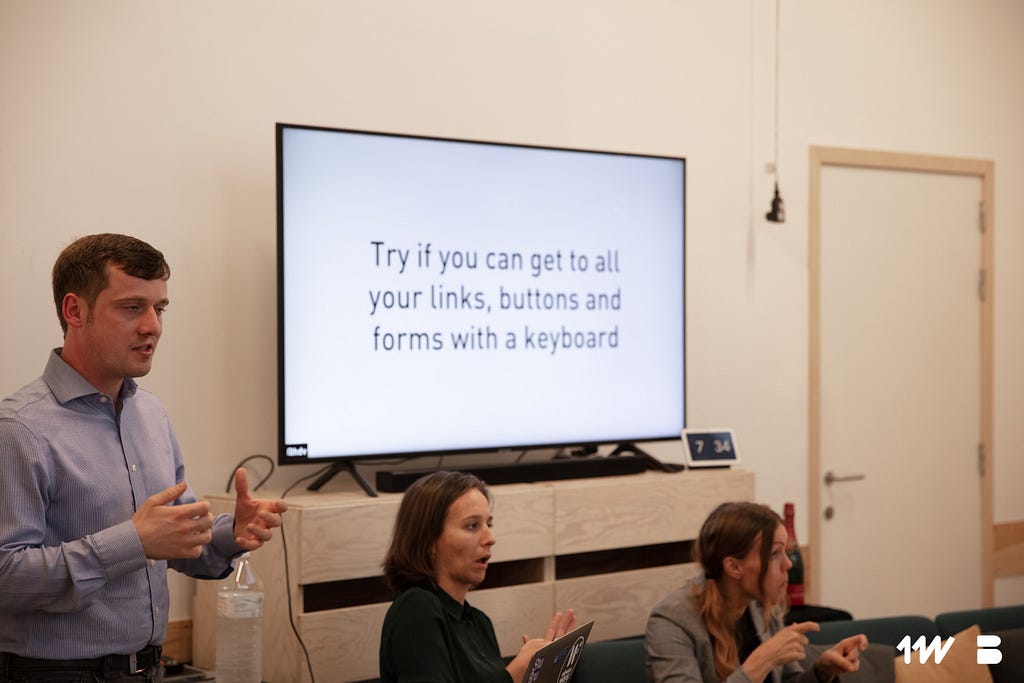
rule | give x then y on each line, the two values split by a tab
841	658
561	623
788	644
784	647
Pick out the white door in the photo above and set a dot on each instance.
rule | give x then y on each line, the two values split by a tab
900	391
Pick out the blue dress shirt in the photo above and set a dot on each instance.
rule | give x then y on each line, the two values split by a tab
74	581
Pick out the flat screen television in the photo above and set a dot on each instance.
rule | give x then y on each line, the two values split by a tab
442	296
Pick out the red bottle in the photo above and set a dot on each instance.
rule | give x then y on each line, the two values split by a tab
796	572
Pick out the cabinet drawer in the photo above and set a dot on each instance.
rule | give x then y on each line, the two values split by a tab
620	602
344	644
345	542
516	610
349	541
644	509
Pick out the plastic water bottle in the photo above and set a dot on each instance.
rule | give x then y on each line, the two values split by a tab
240	625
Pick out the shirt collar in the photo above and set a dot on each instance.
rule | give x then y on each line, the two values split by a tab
67	385
451	605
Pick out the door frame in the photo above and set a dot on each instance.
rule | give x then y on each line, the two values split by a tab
821	157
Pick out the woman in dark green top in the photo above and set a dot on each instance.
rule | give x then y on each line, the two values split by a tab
440	548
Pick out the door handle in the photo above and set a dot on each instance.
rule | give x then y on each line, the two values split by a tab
832	478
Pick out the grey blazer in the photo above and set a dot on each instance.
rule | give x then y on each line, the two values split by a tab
678	648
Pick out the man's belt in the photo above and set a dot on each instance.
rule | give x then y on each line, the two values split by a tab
137	662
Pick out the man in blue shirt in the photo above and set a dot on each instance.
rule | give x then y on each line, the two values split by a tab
94	507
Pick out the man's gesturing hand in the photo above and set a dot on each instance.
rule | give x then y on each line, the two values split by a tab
255	518
173	531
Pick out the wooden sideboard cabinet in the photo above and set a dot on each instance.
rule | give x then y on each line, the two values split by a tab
609	547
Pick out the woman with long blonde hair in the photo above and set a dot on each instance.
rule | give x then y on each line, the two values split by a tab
726	624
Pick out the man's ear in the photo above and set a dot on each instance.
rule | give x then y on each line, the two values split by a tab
74	309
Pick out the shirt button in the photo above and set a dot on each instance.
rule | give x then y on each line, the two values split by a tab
103	399
134	468
152	563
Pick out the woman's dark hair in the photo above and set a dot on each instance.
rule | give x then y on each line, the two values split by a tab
731	530
409	561
82	267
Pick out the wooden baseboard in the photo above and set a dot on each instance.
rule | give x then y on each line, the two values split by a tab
178	644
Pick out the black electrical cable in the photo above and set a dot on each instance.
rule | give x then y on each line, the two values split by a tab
284	545
231	477
288	580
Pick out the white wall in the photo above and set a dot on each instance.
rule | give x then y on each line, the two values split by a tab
156	119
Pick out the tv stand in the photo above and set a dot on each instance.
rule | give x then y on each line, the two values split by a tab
337	467
609	547
630	448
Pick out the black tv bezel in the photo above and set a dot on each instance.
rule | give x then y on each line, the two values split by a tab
510	449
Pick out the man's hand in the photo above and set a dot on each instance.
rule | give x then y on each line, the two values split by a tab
254	519
170	532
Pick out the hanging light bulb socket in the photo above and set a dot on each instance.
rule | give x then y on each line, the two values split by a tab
777	214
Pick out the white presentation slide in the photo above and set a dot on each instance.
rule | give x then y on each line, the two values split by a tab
442	295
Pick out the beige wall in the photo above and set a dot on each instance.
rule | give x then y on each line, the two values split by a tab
157	119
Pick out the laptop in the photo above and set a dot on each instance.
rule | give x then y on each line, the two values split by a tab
556	661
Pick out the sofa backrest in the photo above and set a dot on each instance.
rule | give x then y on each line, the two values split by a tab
885	630
988	619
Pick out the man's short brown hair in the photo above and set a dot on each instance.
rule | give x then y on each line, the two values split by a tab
82	267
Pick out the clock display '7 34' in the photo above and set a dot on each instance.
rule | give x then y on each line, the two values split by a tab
710	447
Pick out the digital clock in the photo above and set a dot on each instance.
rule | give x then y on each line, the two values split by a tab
710	447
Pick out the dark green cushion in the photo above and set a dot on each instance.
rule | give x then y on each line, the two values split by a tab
621	661
876	664
1011	669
